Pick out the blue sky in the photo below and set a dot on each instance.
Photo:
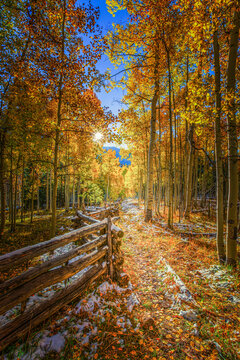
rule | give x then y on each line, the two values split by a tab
106	20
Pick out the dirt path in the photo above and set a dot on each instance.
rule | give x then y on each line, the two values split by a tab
180	285
186	305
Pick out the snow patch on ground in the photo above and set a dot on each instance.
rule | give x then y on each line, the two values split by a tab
130	207
183	293
81	323
217	276
220	277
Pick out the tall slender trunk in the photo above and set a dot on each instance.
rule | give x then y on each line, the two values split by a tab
62	192
195	179
78	194
231	245
218	150
22	192
145	157
159	160
108	184
145	182
170	174
38	200
47	192
189	173
141	182
204	178
11	191
73	194
50	191
165	176
139	187
185	169
181	158
15	199
14	207
57	133
66	192
149	207
2	181
32	197
175	153
156	184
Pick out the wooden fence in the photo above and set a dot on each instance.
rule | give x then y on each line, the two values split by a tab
209	207
100	256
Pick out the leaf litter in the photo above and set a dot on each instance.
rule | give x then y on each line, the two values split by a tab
179	304
194	301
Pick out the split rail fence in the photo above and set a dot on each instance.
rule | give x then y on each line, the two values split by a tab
208	206
100	255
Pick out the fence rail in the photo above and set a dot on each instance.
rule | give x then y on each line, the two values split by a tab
29	252
208	206
98	256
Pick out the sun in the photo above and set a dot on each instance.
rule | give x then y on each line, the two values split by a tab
97	136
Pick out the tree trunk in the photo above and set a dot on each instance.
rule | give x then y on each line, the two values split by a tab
159	161
107	195
15	197
11	191
175	154
149	206
47	192
38	200
231	251
196	178
67	192
140	186
73	194
2	180
57	133
50	190
218	150
62	192
181	160
204	179
185	172
145	175
22	192
189	173
78	194
32	197
170	174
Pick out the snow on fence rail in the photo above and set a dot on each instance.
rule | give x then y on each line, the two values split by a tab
90	256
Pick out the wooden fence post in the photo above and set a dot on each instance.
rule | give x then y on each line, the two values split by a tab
209	208
110	249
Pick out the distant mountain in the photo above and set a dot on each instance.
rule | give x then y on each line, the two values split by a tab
123	162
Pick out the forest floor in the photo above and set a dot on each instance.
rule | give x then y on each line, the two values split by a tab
193	302
179	303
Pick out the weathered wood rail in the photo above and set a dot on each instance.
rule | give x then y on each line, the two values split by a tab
99	256
208	206
117	234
